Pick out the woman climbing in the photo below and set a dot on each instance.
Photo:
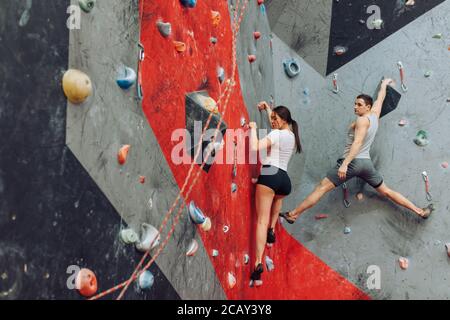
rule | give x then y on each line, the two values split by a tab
273	183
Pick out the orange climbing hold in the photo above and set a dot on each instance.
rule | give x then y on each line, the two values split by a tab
251	58
86	283
404	263
76	86
215	16
123	154
179	46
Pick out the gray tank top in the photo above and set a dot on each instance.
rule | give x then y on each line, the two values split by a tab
364	153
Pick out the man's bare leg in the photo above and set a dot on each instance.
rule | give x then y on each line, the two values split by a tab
321	189
400	199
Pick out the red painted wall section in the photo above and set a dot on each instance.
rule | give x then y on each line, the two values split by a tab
167	76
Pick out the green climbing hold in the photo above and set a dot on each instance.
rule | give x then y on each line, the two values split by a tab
421	139
438	36
86	5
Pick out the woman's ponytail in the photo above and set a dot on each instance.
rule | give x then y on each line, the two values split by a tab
297	136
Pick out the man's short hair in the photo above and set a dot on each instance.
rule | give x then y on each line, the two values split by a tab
367	99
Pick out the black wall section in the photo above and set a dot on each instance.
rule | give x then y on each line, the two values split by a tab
52	214
348	31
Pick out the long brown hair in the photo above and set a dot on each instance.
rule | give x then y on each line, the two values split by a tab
285	114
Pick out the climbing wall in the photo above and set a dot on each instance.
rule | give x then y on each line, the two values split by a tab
381	232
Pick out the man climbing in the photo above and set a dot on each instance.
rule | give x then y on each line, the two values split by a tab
356	161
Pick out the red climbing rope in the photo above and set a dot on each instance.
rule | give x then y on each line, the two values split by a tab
228	90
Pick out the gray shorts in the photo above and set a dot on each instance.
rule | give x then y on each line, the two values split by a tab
362	168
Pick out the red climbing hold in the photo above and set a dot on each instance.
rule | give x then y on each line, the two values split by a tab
123	154
321	216
257	35
142	179
251	58
260	2
86	283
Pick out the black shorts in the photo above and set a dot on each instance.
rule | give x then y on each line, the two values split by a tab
276	179
362	168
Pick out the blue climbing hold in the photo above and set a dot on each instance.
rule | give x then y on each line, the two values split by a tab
126	77
196	214
189	3
292	67
146	280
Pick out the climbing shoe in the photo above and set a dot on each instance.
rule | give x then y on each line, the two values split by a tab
427	211
287	217
270	236
256	274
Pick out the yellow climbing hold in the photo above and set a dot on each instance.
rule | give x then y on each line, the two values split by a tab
77	86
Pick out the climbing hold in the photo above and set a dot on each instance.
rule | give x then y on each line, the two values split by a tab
189	3
340	50
86	5
150	238
335	83
192	249
226	229
377	23
426	179
165	28
291	67
86	283
215	17
146	280
260	2
269	264
321	216
77	86
347	230
206	226
129	236
251	58
402	123
360	196
215	253
221	74
410	3
447	246
123	154
421	138
142	179
427	74
257	35
438	36
243	122
231	280
126	77
254	180
179	46
234	187
444	165
196	214
403	262
213	40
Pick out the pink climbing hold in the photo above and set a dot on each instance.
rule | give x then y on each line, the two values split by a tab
447	246
260	2
444	165
321	216
404	263
257	35
254	180
402	123
251	58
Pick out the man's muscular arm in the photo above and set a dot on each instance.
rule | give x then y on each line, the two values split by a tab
378	104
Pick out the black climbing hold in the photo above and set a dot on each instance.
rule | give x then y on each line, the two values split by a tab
390	102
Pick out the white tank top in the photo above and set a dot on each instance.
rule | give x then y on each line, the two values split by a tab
283	146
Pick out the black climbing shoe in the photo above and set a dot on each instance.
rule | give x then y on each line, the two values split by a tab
427	211
256	274
270	236
287	217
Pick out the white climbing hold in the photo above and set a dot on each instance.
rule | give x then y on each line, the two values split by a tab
234	187
269	264
215	253
146	280
231	280
221	74
226	229
129	236
377	23
193	247
150	238
246	258
347	230
402	123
